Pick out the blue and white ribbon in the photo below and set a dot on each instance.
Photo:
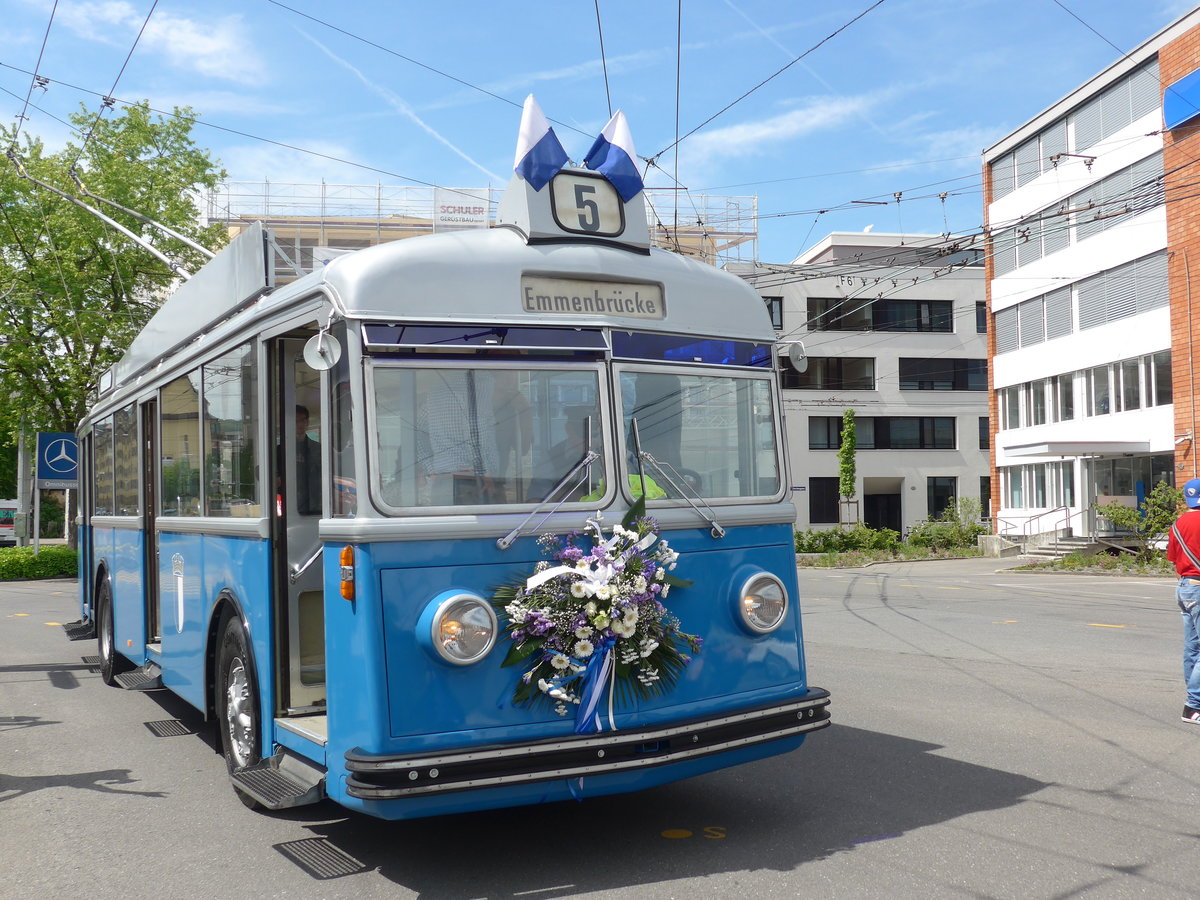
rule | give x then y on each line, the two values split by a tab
613	156
540	156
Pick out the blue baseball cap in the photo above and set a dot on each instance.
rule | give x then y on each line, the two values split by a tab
1191	493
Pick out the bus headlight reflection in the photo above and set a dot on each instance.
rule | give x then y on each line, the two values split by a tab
464	629
762	603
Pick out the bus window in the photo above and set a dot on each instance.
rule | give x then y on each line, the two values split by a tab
230	426
103	438
470	437
180	448
125	461
716	432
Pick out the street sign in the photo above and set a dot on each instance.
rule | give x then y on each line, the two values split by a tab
57	460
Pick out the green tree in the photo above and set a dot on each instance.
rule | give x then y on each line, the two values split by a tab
73	290
847	466
1150	522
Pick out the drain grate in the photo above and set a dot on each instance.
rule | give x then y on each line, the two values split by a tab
320	859
169	728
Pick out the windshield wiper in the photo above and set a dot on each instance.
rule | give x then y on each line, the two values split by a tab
584	464
661	468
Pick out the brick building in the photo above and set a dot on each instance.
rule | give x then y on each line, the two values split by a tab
1092	211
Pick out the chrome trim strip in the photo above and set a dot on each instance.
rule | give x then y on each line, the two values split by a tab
362	763
367	792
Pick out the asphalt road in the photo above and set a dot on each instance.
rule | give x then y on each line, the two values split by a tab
996	735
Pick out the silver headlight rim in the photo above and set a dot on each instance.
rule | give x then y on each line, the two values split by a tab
745	619
435	628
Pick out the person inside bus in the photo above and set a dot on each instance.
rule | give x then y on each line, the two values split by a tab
308	467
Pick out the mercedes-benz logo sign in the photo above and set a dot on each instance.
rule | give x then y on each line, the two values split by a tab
60	455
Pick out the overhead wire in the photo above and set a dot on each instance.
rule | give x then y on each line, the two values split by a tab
34	79
769	78
603	59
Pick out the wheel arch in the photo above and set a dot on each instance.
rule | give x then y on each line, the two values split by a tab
226	607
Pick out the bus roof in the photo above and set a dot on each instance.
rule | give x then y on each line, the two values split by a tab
524	271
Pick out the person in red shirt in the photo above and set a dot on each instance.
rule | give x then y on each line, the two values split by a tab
1183	550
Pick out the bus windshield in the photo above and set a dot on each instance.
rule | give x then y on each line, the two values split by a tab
454	437
716	431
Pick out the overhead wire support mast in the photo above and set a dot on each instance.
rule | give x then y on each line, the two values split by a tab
141	242
170	232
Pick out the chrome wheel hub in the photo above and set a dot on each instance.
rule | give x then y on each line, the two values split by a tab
239	715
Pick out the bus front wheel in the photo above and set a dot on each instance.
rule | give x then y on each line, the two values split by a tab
112	663
237	702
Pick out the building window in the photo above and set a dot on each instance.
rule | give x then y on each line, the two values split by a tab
985	433
1011	403
940	490
836	314
1035	401
1099	394
985	496
913	433
1064	397
1158	378
775	309
824	432
939	374
822	501
981	318
845	373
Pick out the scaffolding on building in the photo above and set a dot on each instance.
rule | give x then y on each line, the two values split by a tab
314	222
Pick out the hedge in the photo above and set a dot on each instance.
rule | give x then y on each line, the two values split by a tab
17	563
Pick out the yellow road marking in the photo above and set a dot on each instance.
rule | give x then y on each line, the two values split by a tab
947	587
1100	625
1007	622
676	834
17	616
58	624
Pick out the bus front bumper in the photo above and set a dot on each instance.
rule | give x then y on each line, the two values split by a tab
373	777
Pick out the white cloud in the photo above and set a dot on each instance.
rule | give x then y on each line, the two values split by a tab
282	165
706	149
215	48
219	49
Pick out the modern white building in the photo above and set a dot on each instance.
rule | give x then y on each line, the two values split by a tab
1088	265
893	327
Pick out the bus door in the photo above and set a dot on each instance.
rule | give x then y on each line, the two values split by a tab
150	591
300	425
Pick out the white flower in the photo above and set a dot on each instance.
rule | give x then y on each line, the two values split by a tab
603	592
621	629
578	591
648	647
665	590
583	564
660	574
583	649
590	609
559	661
582	632
639	584
544	686
631	616
601	622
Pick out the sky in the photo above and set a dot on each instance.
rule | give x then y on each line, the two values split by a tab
806	106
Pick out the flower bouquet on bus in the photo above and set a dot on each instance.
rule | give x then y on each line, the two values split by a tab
592	624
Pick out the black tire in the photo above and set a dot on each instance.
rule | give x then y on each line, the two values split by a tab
112	663
237	702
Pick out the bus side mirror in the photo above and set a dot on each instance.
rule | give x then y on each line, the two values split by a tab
796	356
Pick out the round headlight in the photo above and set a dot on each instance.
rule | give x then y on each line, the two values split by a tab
763	603
464	629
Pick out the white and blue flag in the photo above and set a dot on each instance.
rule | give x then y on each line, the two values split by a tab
539	154
613	157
